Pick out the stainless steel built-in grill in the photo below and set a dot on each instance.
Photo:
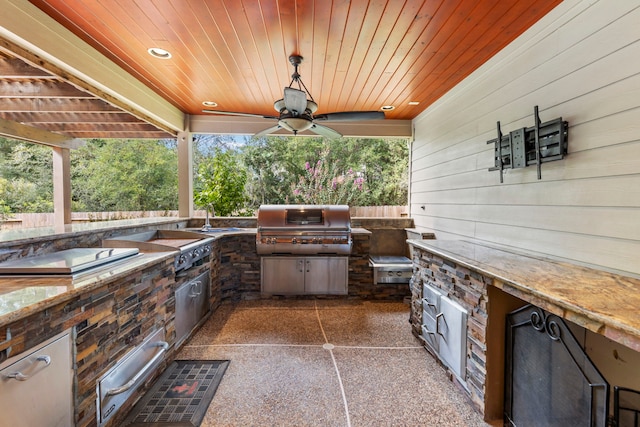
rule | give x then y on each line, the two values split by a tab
304	230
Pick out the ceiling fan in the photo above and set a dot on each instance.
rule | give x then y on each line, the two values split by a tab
296	111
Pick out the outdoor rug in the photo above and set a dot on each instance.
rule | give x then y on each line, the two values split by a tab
180	396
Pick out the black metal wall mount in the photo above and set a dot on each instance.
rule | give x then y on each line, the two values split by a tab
541	143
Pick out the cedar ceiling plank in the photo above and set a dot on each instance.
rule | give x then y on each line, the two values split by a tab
264	65
40	89
190	61
31	105
305	22
208	70
481	41
213	83
251	66
459	45
416	58
246	85
339	13
289	27
219	61
235	52
322	21
506	27
383	38
362	50
409	30
347	48
281	69
14	68
394	36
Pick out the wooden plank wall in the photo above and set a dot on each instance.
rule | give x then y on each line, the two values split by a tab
582	63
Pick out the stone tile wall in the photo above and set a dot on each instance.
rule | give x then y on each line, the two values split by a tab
469	289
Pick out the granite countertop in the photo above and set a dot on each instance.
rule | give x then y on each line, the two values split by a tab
23	296
603	302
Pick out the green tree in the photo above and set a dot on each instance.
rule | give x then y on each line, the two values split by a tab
219	184
324	183
27	170
128	175
276	164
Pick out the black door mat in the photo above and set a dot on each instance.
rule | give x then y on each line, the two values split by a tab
181	396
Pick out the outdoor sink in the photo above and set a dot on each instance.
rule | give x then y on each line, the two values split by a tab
157	240
217	229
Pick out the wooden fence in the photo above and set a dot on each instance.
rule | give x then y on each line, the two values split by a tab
31	220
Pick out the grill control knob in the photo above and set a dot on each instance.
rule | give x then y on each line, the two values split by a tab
294	240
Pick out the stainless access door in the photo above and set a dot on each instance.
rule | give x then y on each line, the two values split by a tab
451	327
192	304
36	387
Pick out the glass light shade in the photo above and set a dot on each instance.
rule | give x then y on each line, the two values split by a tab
295	124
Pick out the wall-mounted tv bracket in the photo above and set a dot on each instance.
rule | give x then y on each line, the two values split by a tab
541	143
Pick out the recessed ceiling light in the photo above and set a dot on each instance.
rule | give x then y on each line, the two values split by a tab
209	103
414	102
387	107
160	53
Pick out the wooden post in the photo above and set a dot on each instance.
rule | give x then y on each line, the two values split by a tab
185	175
61	188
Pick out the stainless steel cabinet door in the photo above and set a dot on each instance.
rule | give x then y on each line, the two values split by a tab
282	275
192	303
36	390
451	326
326	275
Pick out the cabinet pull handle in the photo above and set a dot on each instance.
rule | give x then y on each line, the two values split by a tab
196	288
300	264
308	264
19	376
438	316
164	346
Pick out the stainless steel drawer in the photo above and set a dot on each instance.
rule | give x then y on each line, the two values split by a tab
36	388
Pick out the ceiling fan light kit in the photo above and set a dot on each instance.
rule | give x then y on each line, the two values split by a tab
296	110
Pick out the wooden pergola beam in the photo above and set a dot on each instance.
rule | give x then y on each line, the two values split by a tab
15	130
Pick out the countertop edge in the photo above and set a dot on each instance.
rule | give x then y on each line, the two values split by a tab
623	331
86	284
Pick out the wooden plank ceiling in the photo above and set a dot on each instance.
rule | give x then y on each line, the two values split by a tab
359	55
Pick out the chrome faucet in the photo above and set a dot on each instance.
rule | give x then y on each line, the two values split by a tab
207	225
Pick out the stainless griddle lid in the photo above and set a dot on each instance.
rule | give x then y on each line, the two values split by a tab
66	262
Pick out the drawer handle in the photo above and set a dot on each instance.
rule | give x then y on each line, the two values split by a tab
22	377
196	289
438	316
164	346
425	300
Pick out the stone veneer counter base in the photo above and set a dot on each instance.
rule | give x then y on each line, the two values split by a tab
23	296
603	302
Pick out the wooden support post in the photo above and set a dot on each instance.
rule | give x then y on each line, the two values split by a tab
185	174
61	188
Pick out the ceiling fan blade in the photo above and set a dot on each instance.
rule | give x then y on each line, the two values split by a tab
325	131
233	113
350	116
295	100
267	131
